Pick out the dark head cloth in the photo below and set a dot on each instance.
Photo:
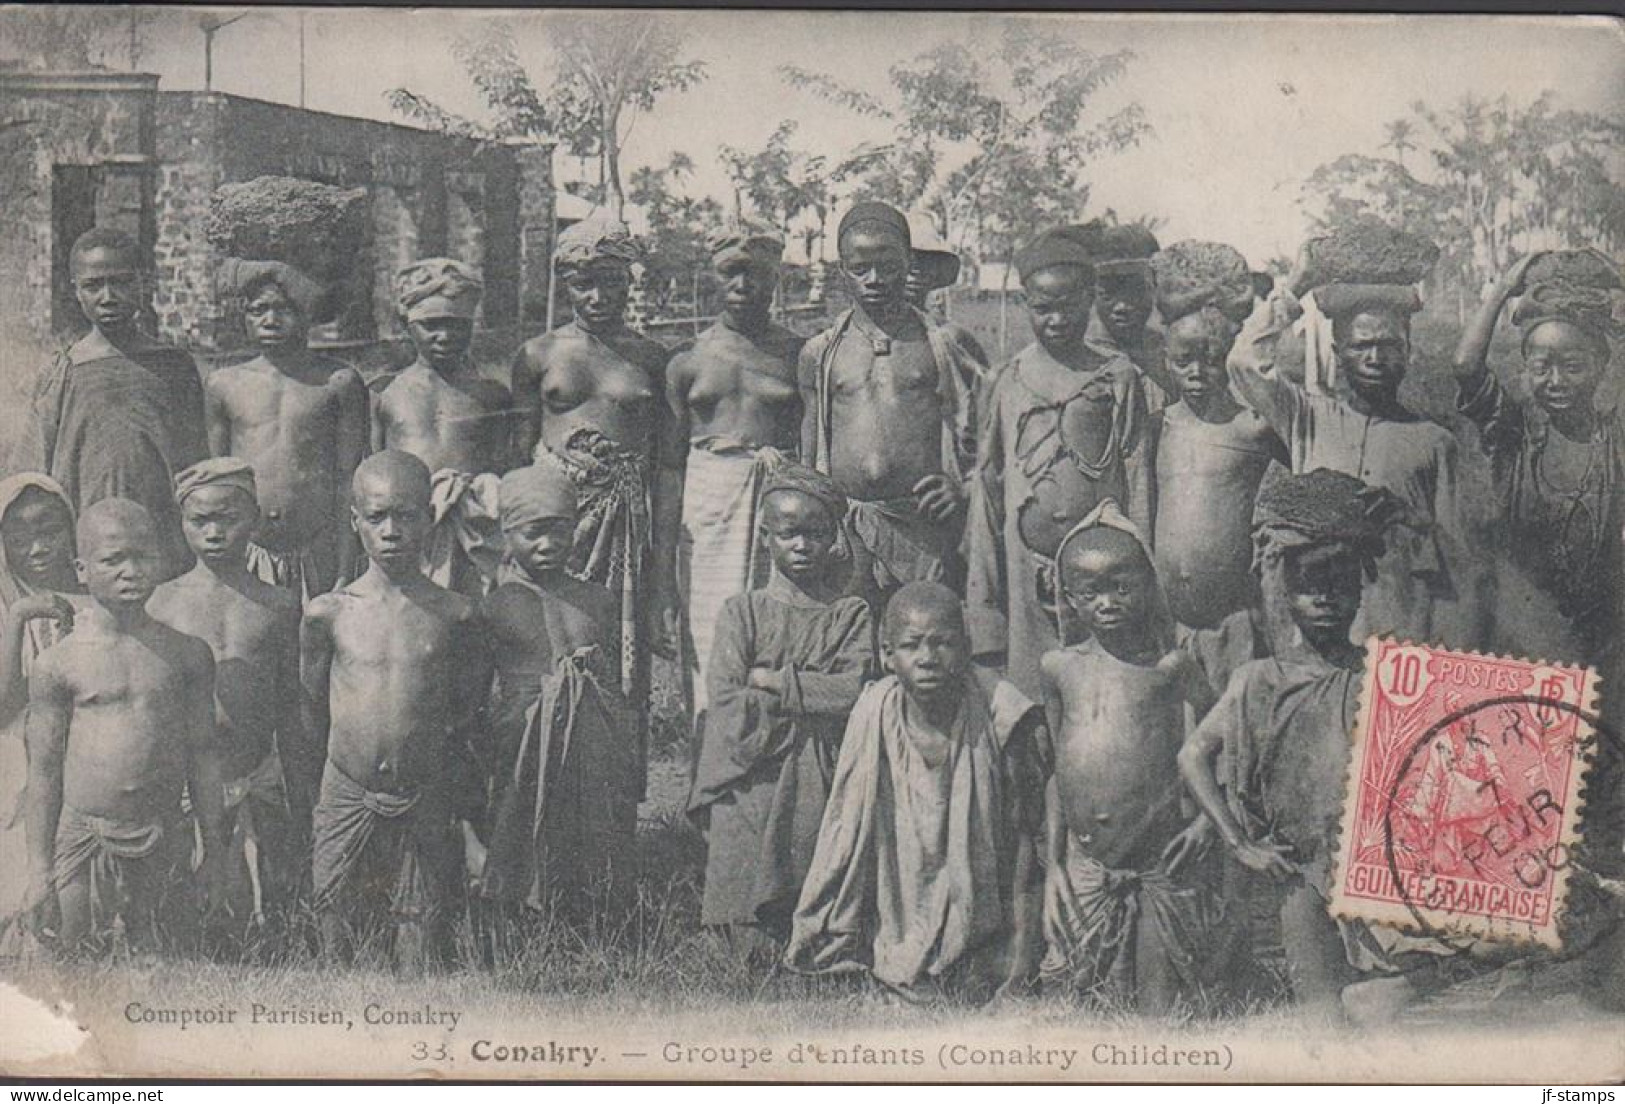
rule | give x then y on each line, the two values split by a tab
593	240
1344	301
790	476
1324	509
217	471
875	213
1126	249
1053	248
747	238
536	492
242	278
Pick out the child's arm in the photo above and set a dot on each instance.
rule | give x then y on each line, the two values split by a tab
301	765
1196	766
315	669
13	633
1472	352
524	383
1026	809
216	420
50	708
835	689
206	771
668	523
351	442
1192	683
987	578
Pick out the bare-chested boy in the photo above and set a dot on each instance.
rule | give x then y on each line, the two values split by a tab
252	627
120	719
887	409
300	419
924	875
734	403
1212	452
441	410
119	413
1126	909
1269	763
391	666
1063	429
566	765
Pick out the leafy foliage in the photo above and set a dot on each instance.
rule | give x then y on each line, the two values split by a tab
678	225
991	142
1495	180
606	69
782	183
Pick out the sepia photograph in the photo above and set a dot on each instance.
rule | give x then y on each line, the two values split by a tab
595	544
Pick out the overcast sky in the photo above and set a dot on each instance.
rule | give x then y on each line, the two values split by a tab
1242	107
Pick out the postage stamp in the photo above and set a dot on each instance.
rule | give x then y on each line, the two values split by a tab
1464	794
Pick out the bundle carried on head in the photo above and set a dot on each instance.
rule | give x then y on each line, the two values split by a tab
1321	509
298	234
1371	252
1581	287
1192	275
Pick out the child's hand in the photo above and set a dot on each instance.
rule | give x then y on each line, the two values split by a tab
39	607
769	679
937	497
1265	858
38	903
474	855
216	898
1190	845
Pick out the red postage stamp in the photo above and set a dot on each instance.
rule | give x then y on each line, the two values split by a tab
1464	796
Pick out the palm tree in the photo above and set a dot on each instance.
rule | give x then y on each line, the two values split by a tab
1399	139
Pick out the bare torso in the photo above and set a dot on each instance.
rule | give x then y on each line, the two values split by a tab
885	414
532	630
581	380
288	427
1208	475
1121	727
396	680
253	632
460	422
740	386
126	750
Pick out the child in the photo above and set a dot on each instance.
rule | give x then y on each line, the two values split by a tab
441	410
301	420
923	875
1283	726
1063	430
1125	908
566	810
120	717
1212	452
38	597
788	663
389	666
252	628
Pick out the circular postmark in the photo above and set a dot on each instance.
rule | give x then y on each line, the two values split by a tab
1511	832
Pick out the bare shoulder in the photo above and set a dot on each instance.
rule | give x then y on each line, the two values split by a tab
448	605
508	607
490	393
281	602
190	654
324	609
341	377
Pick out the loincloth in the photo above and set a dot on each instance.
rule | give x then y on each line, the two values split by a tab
905	545
368	845
124	863
1106	912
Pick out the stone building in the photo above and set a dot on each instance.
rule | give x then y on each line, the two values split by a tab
111	149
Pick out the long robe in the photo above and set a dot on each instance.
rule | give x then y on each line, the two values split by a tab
38	635
909	880
766	759
566	810
612	548
1567	540
903	545
718	553
117	426
1054	443
1415	459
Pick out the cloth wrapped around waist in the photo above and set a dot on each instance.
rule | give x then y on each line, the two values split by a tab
101	843
347	819
904	545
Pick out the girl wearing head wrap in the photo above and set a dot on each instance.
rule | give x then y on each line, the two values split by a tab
38	597
1426	583
736	411
788	662
1558	460
1063	429
591	395
563	765
1212	452
1269	763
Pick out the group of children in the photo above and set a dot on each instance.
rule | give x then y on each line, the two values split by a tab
1086	777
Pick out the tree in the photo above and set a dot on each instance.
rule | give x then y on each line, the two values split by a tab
782	183
678	224
1497	181
608	68
991	142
